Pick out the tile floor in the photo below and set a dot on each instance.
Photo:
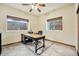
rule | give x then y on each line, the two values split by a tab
51	49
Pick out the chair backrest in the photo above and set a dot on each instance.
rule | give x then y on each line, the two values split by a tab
40	32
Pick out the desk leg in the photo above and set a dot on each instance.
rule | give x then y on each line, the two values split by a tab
43	42
36	43
22	37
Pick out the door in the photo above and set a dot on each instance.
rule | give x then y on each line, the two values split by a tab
78	31
0	43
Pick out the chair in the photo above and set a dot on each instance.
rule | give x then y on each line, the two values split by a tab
40	32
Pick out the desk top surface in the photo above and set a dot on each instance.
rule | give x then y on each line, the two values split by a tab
35	35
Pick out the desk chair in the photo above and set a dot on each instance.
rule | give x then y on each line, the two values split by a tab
39	32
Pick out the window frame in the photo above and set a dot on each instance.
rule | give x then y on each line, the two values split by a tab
47	29
28	27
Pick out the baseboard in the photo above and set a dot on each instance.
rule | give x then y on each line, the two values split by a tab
60	43
11	43
46	39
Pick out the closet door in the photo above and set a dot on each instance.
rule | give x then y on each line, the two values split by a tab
78	31
0	43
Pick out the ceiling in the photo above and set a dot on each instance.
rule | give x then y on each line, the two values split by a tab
49	7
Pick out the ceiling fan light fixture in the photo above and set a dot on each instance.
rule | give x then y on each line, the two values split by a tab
34	7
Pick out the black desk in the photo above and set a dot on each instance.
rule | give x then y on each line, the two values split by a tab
35	37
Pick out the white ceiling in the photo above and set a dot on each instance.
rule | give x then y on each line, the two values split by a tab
49	7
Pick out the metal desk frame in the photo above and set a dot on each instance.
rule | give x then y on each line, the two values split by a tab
36	41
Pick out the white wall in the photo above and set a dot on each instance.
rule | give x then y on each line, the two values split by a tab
67	35
14	36
76	28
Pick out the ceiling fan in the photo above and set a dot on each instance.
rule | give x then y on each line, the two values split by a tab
36	6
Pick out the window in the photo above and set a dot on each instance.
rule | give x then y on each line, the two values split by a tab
14	23
54	24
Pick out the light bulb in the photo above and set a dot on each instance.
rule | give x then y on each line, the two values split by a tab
35	7
32	6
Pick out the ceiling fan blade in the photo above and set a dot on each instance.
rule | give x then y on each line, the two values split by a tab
30	10
38	9
43	5
25	4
